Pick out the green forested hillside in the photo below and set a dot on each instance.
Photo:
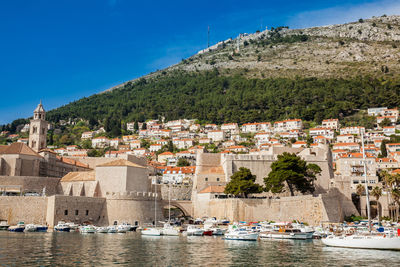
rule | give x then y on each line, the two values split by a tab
211	97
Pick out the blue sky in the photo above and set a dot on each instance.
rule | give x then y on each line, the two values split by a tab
60	51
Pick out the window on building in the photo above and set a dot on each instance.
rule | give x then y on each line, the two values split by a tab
206	179
76	212
218	179
87	212
43	130
65	212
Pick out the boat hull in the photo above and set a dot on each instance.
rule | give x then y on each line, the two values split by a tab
18	230
295	236
151	232
381	242
242	237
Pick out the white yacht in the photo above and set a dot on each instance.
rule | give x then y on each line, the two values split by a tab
111	229
102	230
30	228
62	227
151	231
87	229
288	233
169	230
193	230
381	241
123	228
241	234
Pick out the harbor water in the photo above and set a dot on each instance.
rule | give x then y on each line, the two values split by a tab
132	249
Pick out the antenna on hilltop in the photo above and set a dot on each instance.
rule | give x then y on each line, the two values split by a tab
208	36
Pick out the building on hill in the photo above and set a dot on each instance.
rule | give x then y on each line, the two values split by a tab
177	175
38	129
287	125
331	124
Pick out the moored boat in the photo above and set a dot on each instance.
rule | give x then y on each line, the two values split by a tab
242	235
102	230
62	227
3	225
111	229
169	230
87	229
20	227
287	233
381	241
193	230
151	231
30	228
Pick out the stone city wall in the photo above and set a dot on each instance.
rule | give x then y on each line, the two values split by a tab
74	209
131	211
178	192
311	209
14	209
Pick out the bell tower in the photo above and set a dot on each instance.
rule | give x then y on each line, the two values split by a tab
38	129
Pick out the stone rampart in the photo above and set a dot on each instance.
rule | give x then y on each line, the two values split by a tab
74	209
329	207
178	192
27	209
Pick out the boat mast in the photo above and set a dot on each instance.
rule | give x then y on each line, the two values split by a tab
366	182
169	203
155	203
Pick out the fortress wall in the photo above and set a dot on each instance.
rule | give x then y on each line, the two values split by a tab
310	209
130	211
27	209
57	205
177	192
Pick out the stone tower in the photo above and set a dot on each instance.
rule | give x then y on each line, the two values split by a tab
38	129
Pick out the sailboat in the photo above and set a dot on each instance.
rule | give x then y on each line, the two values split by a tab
168	228
370	240
153	231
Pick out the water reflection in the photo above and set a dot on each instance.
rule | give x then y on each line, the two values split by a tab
132	249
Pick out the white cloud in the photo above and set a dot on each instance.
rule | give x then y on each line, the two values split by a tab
344	14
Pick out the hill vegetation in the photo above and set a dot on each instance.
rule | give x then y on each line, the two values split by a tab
312	74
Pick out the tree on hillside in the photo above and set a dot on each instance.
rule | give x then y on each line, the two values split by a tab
292	171
360	190
383	148
182	162
136	126
377	193
243	183
385	122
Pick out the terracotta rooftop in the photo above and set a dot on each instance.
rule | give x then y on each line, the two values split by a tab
79	176
18	148
120	162
213	189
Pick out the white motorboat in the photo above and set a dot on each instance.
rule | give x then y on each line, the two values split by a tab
30	228
242	235
103	230
62	227
169	230
151	231
193	230
73	226
217	231
111	229
87	229
288	233
123	228
381	241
